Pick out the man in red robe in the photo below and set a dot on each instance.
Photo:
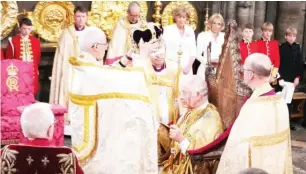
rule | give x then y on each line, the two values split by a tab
247	45
25	47
269	47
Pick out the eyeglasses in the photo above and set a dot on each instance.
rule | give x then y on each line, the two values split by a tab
242	70
96	44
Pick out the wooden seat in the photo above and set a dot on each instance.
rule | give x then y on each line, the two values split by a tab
298	102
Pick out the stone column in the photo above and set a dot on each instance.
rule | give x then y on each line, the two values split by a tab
259	18
252	12
271	13
288	16
230	11
243	12
216	7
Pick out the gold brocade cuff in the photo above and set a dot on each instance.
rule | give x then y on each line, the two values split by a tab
274	72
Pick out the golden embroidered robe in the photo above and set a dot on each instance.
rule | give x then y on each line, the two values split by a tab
68	46
200	126
260	136
121	41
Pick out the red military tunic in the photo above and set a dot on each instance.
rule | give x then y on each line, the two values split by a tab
247	49
27	50
271	49
2	55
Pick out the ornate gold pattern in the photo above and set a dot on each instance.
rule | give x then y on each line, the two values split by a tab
73	61
167	13
12	80
157	9
87	101
26	50
8	161
105	14
67	163
9	13
51	17
91	99
269	140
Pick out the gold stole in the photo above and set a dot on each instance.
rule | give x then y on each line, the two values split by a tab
166	80
184	124
76	46
126	24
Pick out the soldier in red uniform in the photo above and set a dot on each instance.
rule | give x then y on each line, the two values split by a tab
247	45
269	47
25	47
2	55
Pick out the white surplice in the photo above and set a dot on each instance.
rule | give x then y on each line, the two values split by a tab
187	43
216	48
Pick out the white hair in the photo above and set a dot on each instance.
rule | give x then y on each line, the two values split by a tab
259	63
198	85
36	120
93	35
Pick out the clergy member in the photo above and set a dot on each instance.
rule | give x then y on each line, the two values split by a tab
121	41
94	46
68	46
163	77
260	136
125	141
198	127
25	47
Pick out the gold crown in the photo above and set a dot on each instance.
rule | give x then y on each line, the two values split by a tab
12	70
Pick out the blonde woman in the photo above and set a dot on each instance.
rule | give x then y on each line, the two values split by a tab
180	36
213	36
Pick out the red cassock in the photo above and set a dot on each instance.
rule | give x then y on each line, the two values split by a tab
271	49
247	49
27	50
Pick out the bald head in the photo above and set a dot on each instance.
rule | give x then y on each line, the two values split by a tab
134	5
92	36
259	63
133	12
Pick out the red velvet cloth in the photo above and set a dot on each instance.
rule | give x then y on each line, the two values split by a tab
11	99
58	135
17	53
223	137
39	159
